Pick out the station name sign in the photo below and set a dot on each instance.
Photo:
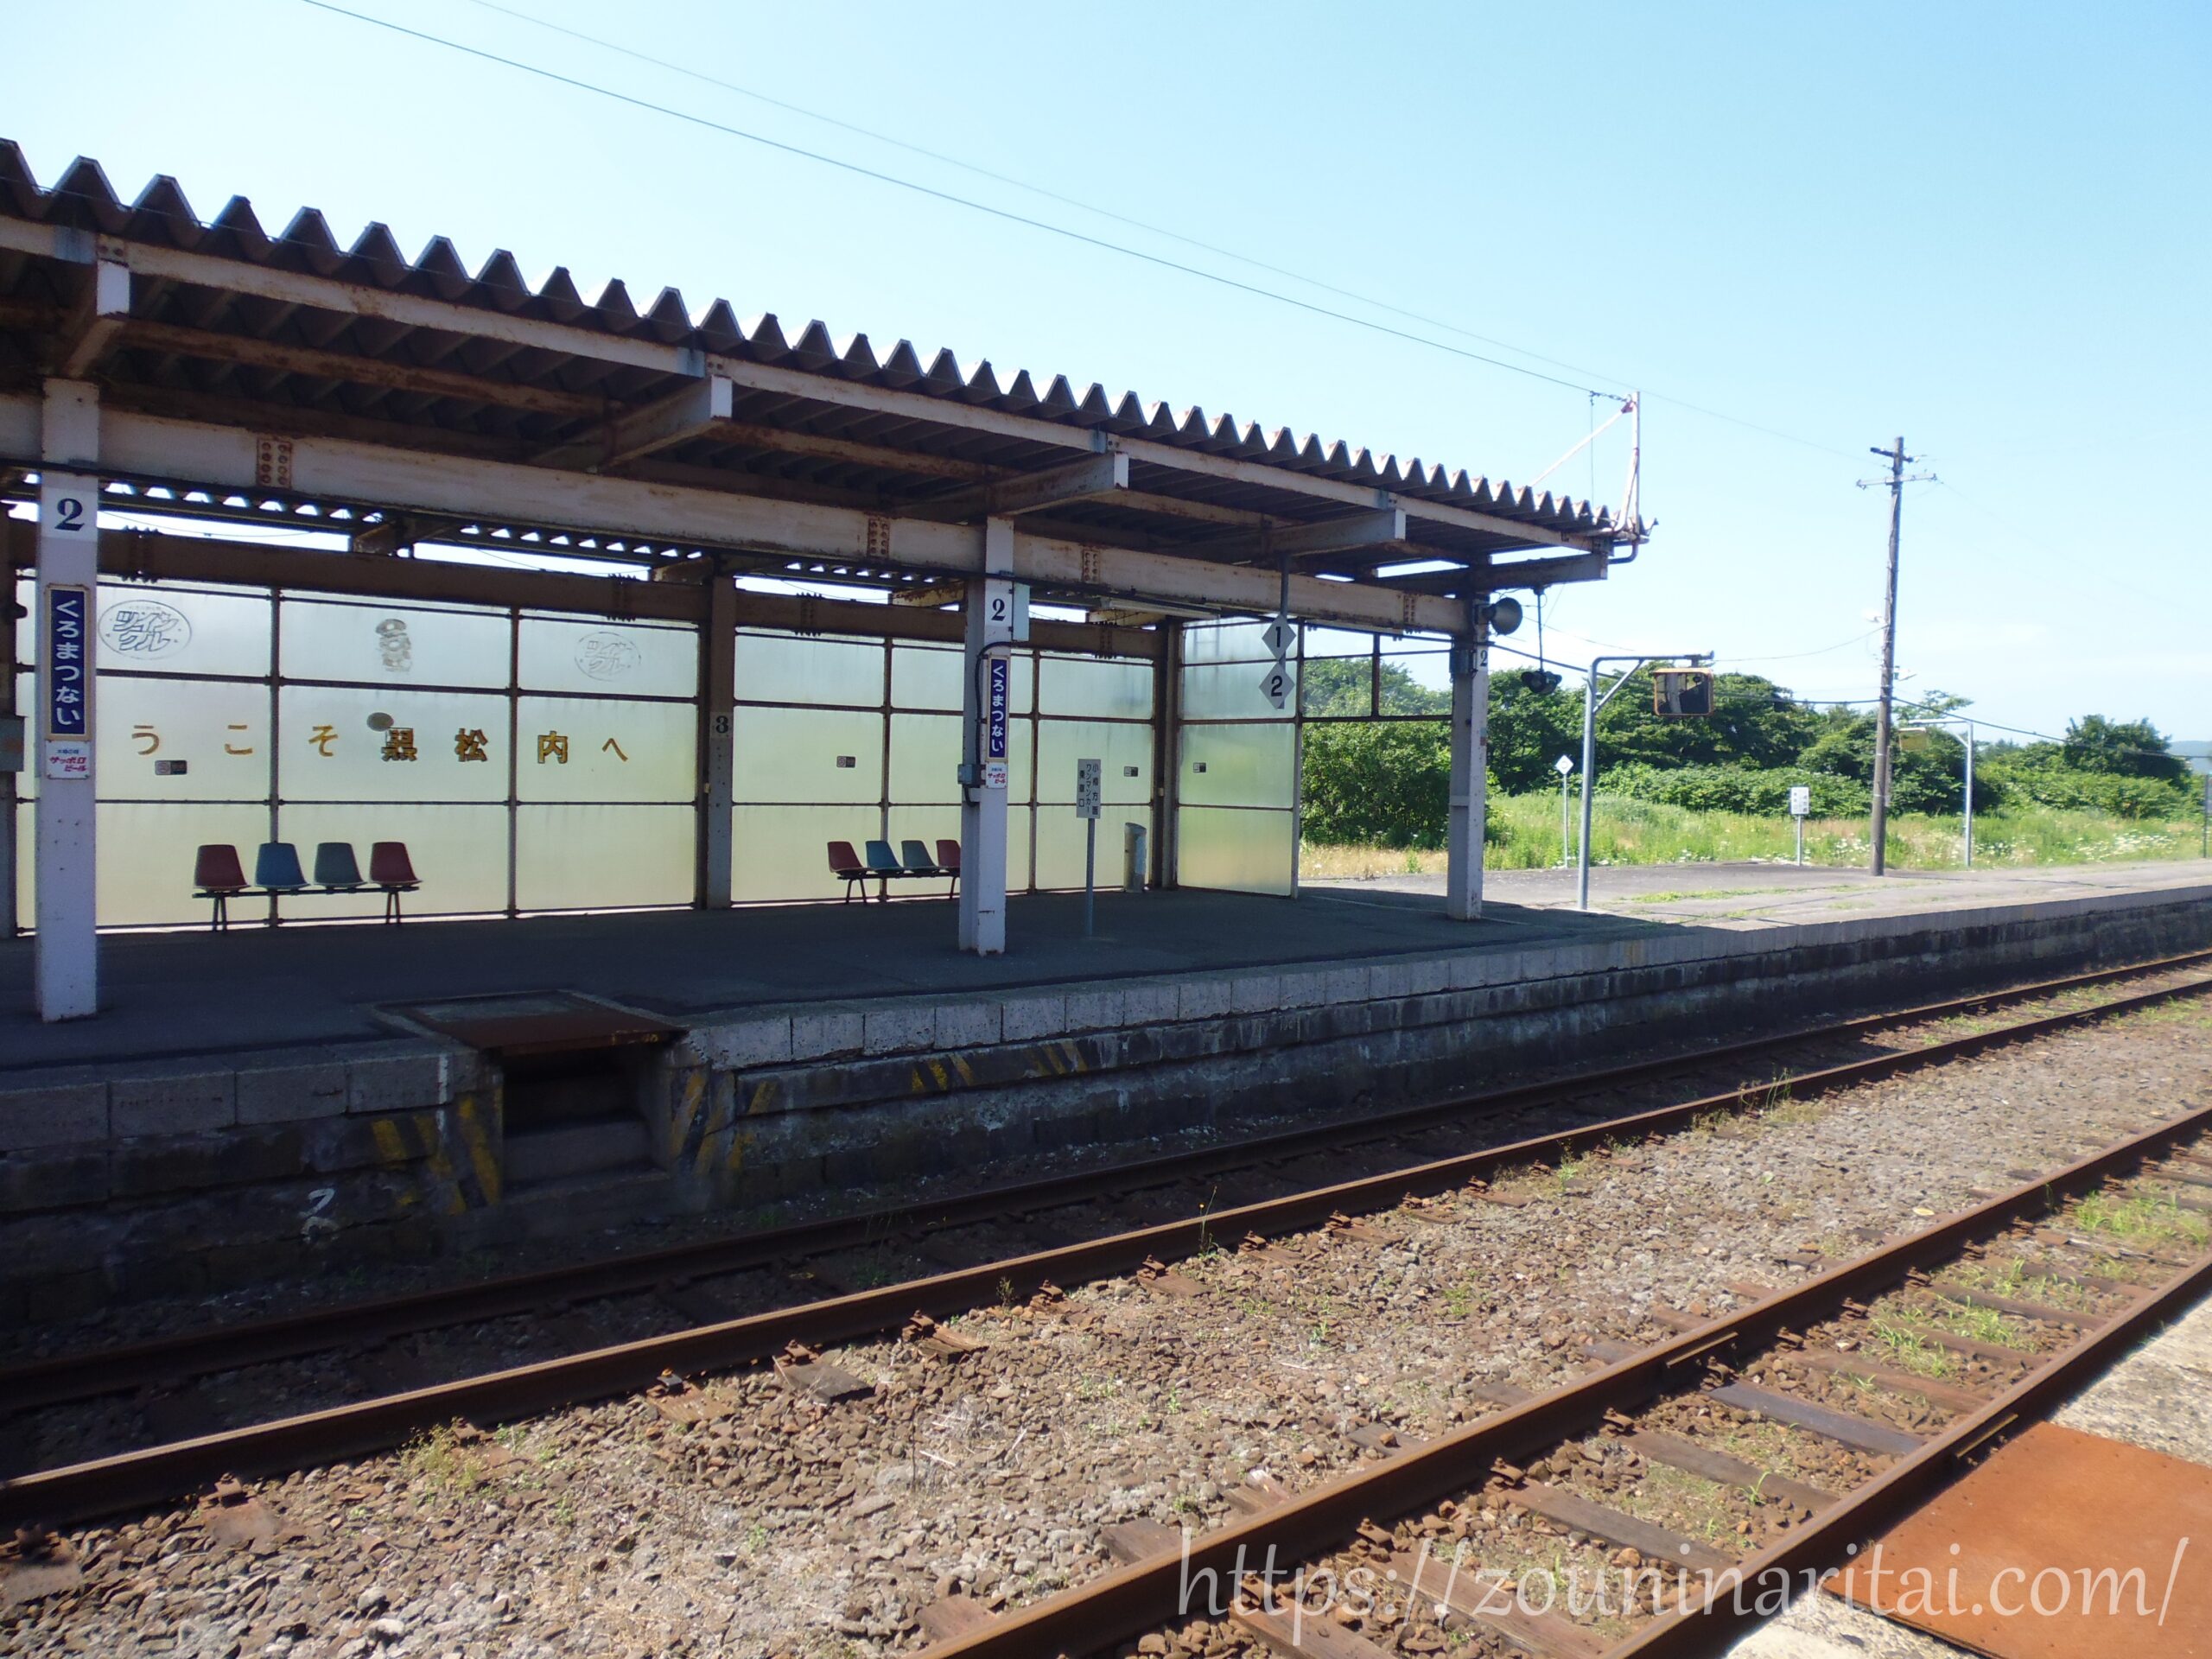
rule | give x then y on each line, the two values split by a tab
67	735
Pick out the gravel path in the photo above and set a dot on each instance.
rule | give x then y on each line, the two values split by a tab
745	1516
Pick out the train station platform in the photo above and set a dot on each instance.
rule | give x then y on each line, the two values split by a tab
343	1094
175	995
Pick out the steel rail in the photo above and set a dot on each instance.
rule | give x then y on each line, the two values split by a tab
1148	1595
124	1368
1824	1542
157	1474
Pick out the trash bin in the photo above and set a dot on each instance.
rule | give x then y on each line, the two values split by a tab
1133	864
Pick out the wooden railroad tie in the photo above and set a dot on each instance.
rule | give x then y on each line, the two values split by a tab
1844	1427
1484	1599
954	1617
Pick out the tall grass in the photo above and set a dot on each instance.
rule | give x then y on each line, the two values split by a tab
1525	835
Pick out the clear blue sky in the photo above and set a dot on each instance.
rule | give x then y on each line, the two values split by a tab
1985	227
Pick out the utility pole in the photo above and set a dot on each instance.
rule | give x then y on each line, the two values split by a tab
1884	730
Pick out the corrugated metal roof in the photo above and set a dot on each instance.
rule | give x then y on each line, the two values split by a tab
538	397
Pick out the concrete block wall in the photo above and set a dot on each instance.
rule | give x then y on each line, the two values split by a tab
135	1179
193	1175
778	1102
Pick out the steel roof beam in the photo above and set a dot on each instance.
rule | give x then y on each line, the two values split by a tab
289	288
230	458
1383	527
1016	493
1517	572
356	369
685	413
95	322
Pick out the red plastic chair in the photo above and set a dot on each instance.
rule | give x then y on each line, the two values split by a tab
846	865
218	874
948	860
391	869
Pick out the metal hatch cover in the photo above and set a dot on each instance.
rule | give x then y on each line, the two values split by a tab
2121	1536
538	1022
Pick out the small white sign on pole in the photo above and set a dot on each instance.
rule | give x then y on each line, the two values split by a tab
1275	683
1563	765
1089	792
1801	800
1280	638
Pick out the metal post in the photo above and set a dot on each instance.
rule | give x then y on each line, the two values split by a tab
1969	794
1089	876
1592	703
989	606
1565	824
9	929
1168	753
1882	719
1800	823
1589	767
1465	820
67	965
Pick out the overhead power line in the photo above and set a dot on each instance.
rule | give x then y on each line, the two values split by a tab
1046	192
1050	195
1065	199
951	197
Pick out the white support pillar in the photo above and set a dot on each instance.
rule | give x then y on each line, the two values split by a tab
986	731
68	576
1463	835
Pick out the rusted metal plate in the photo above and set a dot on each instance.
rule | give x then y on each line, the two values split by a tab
2053	1511
538	1022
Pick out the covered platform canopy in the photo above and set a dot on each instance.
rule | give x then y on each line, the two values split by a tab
156	363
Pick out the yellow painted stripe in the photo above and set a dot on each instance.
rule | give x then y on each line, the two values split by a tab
390	1148
482	1158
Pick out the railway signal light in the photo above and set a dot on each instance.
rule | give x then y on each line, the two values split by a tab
1682	693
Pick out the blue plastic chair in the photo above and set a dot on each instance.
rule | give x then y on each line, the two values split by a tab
918	862
276	868
883	862
336	869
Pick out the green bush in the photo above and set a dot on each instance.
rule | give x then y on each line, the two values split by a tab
2049	783
1732	788
1379	783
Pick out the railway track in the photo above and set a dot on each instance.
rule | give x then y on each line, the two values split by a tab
1444	1531
153	1473
666	1272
